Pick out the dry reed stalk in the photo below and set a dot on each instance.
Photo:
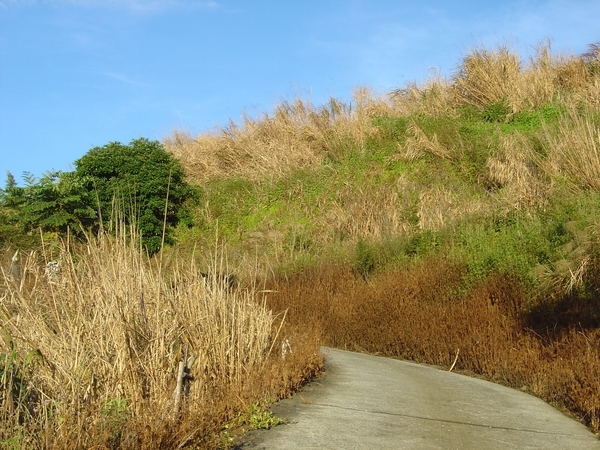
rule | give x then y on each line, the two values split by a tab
111	332
574	150
588	96
418	144
485	77
488	76
433	98
514	167
368	212
298	134
439	207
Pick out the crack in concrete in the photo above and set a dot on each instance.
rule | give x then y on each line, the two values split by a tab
431	419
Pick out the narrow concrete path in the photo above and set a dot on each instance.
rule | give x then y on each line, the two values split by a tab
370	402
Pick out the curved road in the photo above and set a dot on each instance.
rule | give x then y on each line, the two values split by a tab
370	402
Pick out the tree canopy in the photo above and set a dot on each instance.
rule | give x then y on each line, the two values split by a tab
140	183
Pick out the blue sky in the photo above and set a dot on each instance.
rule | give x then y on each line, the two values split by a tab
76	74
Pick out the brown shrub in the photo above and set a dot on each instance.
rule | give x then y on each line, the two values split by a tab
422	314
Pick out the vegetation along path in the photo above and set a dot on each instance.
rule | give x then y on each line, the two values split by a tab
371	402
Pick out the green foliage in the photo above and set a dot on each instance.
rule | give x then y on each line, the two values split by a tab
260	419
115	412
421	244
14	442
139	177
11	380
497	111
55	202
528	121
365	259
391	128
112	182
510	245
16	393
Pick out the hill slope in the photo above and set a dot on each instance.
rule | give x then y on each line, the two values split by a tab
457	219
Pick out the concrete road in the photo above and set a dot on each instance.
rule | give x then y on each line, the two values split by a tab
370	402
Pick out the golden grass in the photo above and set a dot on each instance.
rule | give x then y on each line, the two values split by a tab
515	168
488	76
376	212
574	150
297	135
432	98
93	353
418	144
439	208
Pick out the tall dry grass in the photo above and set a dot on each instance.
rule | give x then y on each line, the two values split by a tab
90	353
418	144
432	98
517	170
375	213
574	150
487	76
551	350
298	134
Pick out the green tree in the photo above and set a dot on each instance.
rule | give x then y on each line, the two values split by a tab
54	202
139	178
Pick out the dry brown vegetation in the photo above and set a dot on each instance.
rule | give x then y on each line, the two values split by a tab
551	350
90	357
514	170
92	352
500	136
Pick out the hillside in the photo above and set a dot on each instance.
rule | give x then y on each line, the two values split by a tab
454	220
454	223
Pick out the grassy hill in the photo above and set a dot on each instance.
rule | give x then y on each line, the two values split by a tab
454	222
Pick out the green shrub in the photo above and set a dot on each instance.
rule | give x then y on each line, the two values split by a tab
55	202
365	259
497	111
141	176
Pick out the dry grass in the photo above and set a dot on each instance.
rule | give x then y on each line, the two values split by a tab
376	213
515	168
297	135
433	98
488	76
439	208
417	314
90	355
418	144
574	150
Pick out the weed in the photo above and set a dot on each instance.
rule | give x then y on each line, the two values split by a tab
261	419
496	111
112	383
365	260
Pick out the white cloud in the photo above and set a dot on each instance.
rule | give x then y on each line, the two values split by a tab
125	79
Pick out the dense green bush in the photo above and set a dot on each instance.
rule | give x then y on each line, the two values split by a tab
55	202
115	182
135	181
